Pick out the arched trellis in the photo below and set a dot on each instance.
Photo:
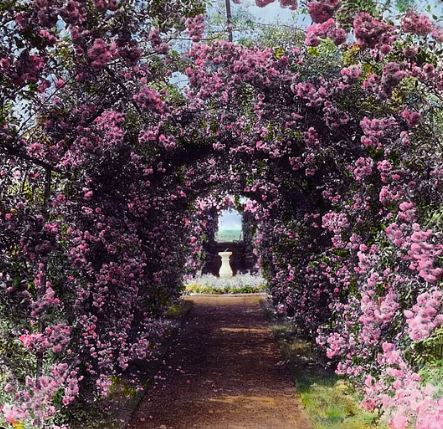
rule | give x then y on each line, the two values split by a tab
97	196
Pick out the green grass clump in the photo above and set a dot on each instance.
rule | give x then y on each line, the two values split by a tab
329	401
178	310
432	373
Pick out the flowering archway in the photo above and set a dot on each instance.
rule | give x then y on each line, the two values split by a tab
104	157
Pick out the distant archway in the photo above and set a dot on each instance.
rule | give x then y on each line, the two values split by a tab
230	226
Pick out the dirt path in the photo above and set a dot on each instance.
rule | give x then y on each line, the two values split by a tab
225	374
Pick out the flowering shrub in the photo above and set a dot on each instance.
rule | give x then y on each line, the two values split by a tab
106	164
241	283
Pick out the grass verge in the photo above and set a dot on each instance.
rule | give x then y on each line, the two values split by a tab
329	401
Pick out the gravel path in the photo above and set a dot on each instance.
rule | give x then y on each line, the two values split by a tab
225	373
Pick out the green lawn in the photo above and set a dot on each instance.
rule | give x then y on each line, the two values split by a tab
228	235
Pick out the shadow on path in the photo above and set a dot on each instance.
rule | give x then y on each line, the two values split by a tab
225	373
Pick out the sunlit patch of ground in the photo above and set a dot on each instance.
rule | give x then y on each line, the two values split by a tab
229	373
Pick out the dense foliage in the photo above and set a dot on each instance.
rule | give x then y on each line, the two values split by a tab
107	166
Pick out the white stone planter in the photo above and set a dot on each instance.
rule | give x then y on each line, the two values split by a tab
225	269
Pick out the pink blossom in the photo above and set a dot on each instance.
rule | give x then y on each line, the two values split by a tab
100	53
148	98
362	168
327	29
368	30
321	11
426	315
416	23
411	118
196	27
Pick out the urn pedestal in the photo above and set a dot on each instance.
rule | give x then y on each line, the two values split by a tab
225	269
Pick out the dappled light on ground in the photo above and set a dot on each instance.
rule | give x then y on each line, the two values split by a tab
229	374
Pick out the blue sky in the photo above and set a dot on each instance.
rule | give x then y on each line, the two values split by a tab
229	219
273	13
270	14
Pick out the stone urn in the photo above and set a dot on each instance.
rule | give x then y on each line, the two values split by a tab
225	269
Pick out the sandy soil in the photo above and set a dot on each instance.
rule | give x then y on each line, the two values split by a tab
225	373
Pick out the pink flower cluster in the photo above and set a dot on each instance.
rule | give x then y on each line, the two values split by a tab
426	315
375	129
327	29
55	337
385	168
167	142
437	34
336	345
423	254
416	23
407	212
376	315
109	125
420	251
149	99
47	300
368	30
196	27
33	404
362	168
322	10
263	3
351	74
333	116
393	74
74	12
26	69
290	4
101	53
311	137
404	400
412	118
336	223
157	43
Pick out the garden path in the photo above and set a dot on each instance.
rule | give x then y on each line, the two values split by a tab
225	373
